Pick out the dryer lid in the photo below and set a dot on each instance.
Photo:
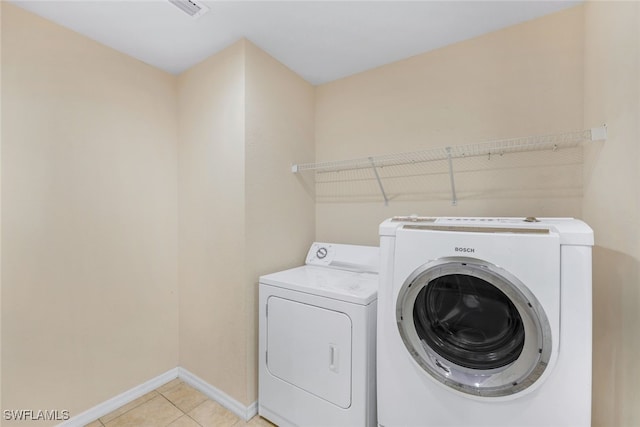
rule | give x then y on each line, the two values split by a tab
354	287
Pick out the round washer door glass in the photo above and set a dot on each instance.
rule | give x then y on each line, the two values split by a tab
474	327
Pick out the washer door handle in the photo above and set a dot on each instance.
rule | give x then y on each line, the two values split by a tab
334	358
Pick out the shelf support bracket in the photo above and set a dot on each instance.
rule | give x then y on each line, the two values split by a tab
599	133
454	198
375	171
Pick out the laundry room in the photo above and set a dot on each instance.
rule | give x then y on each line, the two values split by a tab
142	202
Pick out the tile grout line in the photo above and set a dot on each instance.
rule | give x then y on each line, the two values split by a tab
127	411
161	393
174	405
194	420
183	412
169	389
158	393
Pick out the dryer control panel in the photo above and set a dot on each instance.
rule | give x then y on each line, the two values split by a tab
345	257
320	254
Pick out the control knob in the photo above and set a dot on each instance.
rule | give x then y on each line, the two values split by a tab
321	253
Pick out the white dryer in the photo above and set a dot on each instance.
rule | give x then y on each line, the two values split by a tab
317	339
484	322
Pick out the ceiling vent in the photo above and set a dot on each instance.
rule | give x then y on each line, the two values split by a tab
193	8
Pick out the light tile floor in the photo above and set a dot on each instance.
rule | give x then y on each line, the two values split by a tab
175	404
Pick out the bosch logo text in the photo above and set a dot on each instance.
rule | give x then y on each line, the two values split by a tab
465	250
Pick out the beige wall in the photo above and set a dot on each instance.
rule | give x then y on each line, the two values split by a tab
612	206
280	206
91	241
244	118
212	221
89	219
1	210
520	81
96	252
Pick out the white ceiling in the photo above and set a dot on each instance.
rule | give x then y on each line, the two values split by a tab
320	40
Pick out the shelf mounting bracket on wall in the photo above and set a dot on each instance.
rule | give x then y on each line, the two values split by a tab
454	198
503	146
375	171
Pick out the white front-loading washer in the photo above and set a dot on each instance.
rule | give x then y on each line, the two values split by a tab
317	339
484	322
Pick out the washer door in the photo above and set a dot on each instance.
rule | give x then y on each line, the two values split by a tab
474	327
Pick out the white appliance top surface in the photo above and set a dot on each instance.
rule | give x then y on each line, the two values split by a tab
343	272
355	287
572	231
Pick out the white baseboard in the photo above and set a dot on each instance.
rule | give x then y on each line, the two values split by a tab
244	412
114	403
102	409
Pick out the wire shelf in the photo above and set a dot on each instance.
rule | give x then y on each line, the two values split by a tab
497	147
